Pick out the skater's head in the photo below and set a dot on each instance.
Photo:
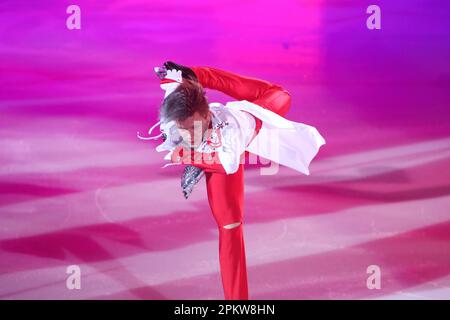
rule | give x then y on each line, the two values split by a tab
189	108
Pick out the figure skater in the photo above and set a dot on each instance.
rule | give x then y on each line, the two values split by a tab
213	140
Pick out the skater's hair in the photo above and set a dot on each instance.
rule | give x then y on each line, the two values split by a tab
184	101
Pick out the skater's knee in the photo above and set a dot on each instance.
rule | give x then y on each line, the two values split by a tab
284	102
232	225
277	100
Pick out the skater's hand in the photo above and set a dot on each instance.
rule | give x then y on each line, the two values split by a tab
171	81
175	75
187	72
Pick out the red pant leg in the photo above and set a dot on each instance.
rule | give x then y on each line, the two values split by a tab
235	85
226	192
226	199
275	100
263	93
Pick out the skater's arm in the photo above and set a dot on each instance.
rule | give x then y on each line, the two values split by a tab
209	162
235	85
213	166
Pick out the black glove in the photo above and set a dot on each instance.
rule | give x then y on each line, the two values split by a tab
189	179
186	72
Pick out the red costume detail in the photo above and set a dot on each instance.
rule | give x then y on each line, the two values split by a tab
226	191
166	80
208	138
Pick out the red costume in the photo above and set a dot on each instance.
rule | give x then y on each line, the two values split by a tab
226	191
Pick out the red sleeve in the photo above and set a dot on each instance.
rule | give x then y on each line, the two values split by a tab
209	162
215	166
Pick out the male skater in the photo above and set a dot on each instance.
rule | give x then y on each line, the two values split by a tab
212	140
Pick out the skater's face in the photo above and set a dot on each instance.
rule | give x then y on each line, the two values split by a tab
193	128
